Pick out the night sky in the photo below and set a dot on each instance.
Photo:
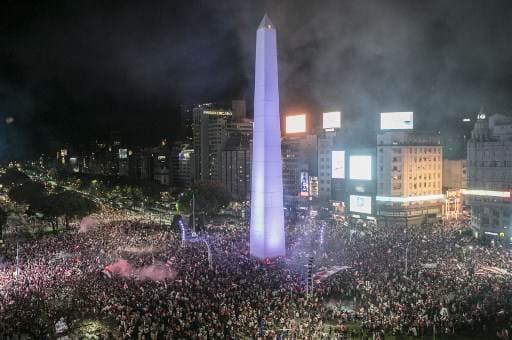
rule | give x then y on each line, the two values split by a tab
71	71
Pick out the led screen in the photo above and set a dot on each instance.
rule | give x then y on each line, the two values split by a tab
304	183
396	120
361	204
338	164
361	167
296	124
332	120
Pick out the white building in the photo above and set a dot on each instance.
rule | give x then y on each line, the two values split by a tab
409	177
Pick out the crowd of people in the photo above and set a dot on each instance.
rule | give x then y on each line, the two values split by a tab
400	279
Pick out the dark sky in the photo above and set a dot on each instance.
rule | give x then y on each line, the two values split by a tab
73	70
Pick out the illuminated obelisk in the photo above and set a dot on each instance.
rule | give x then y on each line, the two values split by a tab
267	218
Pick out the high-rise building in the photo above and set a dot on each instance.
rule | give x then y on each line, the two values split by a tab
489	176
243	126
209	130
239	110
182	156
299	155
326	145
236	165
141	164
409	173
267	238
161	164
186	121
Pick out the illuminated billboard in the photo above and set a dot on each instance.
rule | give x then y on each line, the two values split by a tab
360	167
332	120
304	183
361	204
396	121
123	153
338	164
489	193
296	124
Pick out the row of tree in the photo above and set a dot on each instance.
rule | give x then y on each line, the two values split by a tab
210	198
114	187
49	206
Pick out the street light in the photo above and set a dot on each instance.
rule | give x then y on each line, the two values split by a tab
406	252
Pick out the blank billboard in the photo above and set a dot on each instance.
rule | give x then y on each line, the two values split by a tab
331	120
338	164
396	120
361	204
360	167
296	124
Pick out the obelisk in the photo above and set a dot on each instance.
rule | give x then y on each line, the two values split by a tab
267	217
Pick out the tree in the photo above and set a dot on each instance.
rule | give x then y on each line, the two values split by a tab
50	210
69	204
29	192
210	197
3	221
72	204
13	176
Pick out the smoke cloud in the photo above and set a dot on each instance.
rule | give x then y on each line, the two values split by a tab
154	272
87	66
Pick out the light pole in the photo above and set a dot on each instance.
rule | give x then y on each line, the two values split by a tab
406	251
17	260
182	227
210	264
193	212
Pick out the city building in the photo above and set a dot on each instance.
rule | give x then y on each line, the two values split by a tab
209	135
141	164
299	157
331	157
182	157
294	165
409	171
236	166
186	121
242	126
162	164
489	177
326	145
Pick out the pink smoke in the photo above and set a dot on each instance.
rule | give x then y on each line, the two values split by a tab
154	272
87	224
121	268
